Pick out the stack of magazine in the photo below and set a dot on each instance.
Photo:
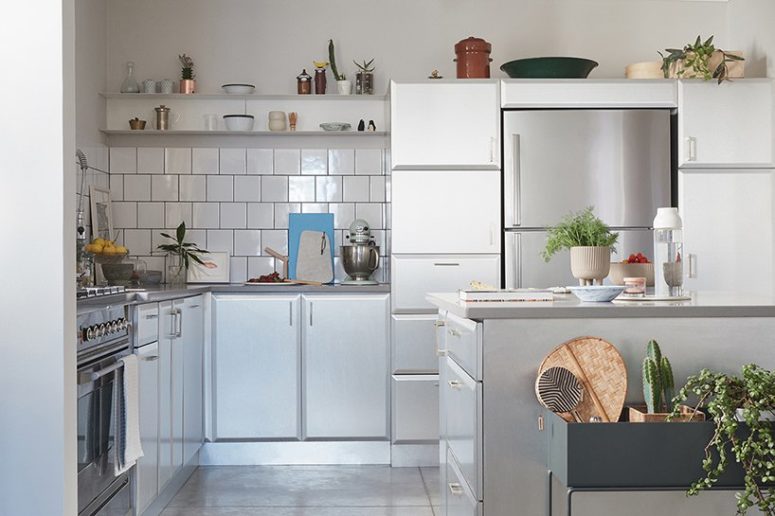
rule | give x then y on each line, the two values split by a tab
506	295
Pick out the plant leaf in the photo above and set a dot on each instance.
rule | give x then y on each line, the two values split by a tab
181	232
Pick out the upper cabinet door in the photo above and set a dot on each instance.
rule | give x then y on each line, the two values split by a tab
445	125
727	124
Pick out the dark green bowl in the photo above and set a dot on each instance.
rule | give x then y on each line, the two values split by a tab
549	68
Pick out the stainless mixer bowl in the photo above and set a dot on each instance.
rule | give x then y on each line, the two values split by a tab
359	261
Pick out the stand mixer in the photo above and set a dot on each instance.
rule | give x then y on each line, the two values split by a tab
361	258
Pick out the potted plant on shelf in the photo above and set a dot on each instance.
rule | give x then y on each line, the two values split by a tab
180	254
364	78
743	409
590	243
187	82
702	60
342	84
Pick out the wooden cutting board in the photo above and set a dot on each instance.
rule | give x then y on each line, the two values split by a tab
601	369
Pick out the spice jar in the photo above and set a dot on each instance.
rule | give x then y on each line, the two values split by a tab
304	83
473	58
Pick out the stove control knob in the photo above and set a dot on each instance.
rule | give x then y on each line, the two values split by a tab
113	326
123	324
88	333
100	330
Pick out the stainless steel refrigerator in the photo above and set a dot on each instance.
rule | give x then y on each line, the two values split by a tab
561	161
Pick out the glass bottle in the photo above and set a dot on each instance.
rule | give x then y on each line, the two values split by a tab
304	83
130	85
668	253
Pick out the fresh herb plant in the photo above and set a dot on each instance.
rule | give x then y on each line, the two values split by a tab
696	58
753	448
582	229
186	251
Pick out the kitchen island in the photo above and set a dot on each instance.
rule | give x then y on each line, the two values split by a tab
493	449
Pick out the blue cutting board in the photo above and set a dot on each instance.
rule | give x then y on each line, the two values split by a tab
298	222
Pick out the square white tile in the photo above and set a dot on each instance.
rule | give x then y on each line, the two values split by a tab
341	161
314	162
287	161
116	187
150	215
177	160
164	188
123	160
260	215
258	266
277	239
204	161
233	161
206	215
344	214
274	189
220	240
247	188
150	160
281	211
328	189
356	189
177	212
247	242
137	188
138	241
197	236
371	212
377	189
233	215
314	207
220	188
368	161
260	161
301	189
238	269
124	214
192	188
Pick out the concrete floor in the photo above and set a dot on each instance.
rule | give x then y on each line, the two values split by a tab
308	491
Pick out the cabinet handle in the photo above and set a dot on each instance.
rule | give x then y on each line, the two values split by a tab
446	265
180	324
173	323
438	323
492	149
152	316
453	332
194	306
310	313
455	384
692	265
691	142
290	313
455	488
151	358
516	177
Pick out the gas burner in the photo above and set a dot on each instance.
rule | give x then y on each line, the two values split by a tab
90	292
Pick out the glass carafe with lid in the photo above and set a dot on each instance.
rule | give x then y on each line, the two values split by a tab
668	253
130	84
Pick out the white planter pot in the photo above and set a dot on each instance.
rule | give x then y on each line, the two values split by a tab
344	87
764	416
588	264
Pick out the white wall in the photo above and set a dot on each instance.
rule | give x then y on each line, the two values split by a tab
750	29
37	331
268	42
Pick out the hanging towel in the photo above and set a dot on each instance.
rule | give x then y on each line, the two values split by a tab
126	444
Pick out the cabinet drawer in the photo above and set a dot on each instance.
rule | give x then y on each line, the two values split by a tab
415	408
146	324
462	413
414	344
462	342
460	500
414	276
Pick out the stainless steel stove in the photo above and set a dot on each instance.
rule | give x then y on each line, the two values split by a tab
90	292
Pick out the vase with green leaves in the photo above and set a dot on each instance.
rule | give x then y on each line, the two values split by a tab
180	254
187	77
701	60
364	78
590	242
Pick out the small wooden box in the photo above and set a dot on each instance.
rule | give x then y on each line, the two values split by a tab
638	414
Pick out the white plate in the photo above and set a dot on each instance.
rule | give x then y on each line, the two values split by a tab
271	284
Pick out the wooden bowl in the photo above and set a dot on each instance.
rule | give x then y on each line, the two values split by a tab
620	270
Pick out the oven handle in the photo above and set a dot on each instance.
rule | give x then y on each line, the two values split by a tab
96	375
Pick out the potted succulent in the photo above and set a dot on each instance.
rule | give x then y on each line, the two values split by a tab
180	254
187	82
342	84
702	60
742	409
590	243
364	78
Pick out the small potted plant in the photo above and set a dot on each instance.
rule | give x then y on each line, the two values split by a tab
342	84
702	60
364	78
180	254
590	243
187	82
742	408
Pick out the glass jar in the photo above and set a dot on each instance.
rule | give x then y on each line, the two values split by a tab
303	83
130	84
668	253
364	83
176	270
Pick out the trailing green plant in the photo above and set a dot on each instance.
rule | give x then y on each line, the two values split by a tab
696	58
658	382
187	251
365	67
582	229
187	64
332	60
732	402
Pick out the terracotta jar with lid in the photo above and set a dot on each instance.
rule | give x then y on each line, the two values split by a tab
473	58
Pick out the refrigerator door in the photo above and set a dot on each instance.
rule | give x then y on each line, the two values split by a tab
565	160
526	268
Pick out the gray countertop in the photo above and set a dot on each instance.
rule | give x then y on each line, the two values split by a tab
567	306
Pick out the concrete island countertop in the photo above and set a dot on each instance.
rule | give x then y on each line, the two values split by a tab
567	306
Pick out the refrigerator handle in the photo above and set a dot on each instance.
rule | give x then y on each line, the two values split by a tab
513	279
516	179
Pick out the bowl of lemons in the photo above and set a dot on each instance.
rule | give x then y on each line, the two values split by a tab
106	251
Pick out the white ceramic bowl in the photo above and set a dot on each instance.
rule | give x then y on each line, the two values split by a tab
335	126
239	122
239	89
597	294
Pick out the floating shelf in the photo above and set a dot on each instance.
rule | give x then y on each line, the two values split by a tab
154	132
226	96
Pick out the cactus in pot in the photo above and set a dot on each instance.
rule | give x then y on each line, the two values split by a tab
343	85
658	382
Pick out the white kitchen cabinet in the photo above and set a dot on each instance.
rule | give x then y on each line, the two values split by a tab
415	408
455	212
167	332
728	229
146	471
460	500
256	366
346	358
728	124
414	344
445	124
178	371
193	372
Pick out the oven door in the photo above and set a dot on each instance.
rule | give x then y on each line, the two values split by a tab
97	484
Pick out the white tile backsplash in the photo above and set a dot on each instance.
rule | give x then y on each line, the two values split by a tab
117	187
220	240
328	189
261	215
233	215
377	189
138	241
371	212
281	211
150	215
137	188
220	188
344	214
274	189
150	160
247	242
247	188
287	161
123	160
164	188
258	266
204	161
238	269
314	162
301	189
277	239
177	160
233	161
368	161
124	214
260	162
356	189
177	212
192	188
341	161
206	215
314	207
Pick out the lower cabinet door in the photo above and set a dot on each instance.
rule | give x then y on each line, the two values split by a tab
460	500
166	338
414	344
415	409
193	357
146	472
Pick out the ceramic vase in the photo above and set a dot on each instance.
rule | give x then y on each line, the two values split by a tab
588	264
344	87
187	86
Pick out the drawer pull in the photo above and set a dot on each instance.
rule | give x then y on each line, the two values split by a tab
152	316
453	332
446	265
455	488
455	384
151	358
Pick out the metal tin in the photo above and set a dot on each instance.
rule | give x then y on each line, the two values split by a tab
473	58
